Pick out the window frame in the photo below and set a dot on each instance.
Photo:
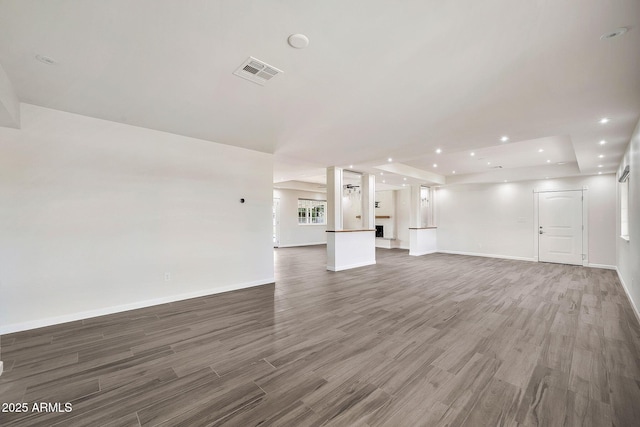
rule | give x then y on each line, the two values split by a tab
312	210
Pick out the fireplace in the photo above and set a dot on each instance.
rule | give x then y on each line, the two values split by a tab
379	230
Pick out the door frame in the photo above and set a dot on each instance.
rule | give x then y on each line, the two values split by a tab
276	208
585	220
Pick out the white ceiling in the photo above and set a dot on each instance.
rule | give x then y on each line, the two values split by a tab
379	79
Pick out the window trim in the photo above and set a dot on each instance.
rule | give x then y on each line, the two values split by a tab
309	212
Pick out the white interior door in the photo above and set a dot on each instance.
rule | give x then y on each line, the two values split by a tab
560	227
276	223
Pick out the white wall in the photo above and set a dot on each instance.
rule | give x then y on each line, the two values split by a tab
628	252
386	200
93	213
497	219
292	233
403	208
346	250
9	104
351	209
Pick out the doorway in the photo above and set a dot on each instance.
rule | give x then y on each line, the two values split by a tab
560	227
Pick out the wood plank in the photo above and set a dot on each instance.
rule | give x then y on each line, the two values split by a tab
434	340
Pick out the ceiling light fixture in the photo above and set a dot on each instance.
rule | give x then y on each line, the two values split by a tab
615	33
381	173
454	172
438	151
504	138
383	181
541	150
602	142
599	166
601	156
505	180
604	120
599	173
488	163
350	166
473	154
435	165
404	178
390	160
548	161
298	41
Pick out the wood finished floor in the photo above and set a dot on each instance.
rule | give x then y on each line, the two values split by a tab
412	341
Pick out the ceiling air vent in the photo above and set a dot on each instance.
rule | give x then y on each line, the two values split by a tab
256	71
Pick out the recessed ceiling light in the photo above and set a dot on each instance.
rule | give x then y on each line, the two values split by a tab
546	177
604	120
438	151
45	59
389	159
601	156
435	165
505	180
404	185
504	138
561	163
350	166
383	181
602	142
453	172
404	178
540	150
473	154
615	33
548	161
488	163
299	41
381	173
599	173
599	166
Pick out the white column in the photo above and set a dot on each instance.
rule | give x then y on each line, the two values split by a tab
368	201
414	205
334	198
349	248
422	239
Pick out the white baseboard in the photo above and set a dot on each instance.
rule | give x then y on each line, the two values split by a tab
517	258
421	253
72	317
348	267
605	266
634	306
385	244
302	244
